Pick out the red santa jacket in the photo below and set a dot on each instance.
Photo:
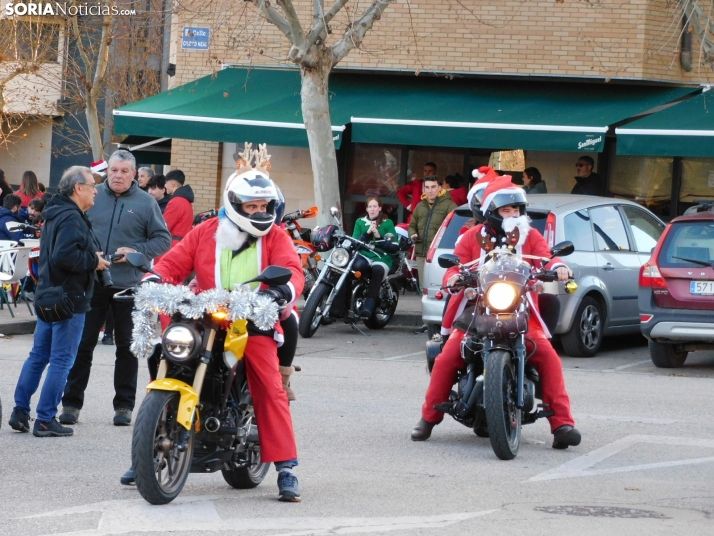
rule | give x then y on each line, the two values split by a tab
468	249
200	251
410	194
458	195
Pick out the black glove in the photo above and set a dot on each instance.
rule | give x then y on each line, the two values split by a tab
280	294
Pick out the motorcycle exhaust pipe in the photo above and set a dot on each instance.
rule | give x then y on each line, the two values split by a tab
212	424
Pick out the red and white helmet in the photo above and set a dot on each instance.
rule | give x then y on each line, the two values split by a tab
251	185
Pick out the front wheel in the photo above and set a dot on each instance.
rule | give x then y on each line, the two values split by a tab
585	337
312	313
161	449
503	418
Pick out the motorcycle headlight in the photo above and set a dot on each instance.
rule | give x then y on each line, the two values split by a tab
501	296
180	343
340	257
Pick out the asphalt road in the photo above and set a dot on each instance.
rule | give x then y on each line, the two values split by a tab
645	466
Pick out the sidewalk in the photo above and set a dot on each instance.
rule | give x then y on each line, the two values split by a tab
408	314
23	323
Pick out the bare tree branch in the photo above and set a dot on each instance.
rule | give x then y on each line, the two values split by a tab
354	35
273	16
321	25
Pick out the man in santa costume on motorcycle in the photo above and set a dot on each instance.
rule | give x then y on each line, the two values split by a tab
233	248
504	207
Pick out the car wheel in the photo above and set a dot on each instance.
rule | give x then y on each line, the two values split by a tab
585	336
665	356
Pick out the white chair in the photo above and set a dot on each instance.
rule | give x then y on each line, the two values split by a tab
13	268
5	244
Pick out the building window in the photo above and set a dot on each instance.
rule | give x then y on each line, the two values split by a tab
697	181
645	180
374	171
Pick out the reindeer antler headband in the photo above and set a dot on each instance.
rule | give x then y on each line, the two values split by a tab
253	159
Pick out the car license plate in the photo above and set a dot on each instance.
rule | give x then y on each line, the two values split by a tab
702	288
34	254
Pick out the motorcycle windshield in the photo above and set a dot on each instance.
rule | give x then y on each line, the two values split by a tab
504	267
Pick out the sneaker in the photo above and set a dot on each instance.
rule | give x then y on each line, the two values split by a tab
69	415
128	478
108	339
20	420
122	417
51	429
288	490
422	329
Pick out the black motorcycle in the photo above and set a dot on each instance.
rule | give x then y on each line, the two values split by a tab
497	389
198	414
341	288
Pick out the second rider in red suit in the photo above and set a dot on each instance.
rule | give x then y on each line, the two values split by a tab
503	201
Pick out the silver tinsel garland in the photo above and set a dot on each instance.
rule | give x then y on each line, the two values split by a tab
153	298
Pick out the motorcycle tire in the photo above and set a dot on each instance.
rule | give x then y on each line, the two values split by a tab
312	313
310	278
503	418
380	318
161	471
247	477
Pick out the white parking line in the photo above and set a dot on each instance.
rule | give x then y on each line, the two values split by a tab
629	365
395	357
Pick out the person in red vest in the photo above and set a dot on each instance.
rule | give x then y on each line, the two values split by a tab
179	211
410	194
456	190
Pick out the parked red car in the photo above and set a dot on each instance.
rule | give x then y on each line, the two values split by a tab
676	296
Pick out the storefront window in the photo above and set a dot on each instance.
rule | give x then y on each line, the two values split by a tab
697	180
374	170
447	163
647	181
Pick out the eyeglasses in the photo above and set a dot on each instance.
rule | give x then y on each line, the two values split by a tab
94	186
579	164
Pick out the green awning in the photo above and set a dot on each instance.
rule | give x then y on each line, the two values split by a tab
525	114
235	105
263	105
684	129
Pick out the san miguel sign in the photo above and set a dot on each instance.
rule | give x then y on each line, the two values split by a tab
592	143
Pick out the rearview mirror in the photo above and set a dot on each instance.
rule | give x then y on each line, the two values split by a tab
447	260
138	261
273	276
334	211
562	249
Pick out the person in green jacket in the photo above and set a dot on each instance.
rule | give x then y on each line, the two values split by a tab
374	226
428	216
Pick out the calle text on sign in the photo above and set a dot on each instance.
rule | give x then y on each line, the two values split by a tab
195	38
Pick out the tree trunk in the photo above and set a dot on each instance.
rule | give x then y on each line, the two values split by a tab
95	133
316	114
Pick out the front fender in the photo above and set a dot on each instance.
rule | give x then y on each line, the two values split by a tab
187	404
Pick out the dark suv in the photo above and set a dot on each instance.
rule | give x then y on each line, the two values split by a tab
676	296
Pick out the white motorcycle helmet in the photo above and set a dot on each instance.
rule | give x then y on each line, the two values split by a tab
250	186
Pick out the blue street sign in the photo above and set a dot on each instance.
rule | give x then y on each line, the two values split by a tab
195	38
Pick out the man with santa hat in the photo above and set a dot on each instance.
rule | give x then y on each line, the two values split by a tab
228	250
504	208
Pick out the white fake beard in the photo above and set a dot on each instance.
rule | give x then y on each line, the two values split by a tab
523	224
229	235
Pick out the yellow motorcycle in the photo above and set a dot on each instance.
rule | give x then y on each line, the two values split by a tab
198	414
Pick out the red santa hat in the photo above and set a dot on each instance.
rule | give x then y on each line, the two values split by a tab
500	185
98	167
484	174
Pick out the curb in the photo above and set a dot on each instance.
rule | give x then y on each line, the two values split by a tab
21	327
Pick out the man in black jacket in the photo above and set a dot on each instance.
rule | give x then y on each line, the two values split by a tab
587	182
125	219
67	259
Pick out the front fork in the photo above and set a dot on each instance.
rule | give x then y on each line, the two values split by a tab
345	272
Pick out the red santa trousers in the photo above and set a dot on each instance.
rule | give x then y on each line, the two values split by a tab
546	361
272	411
